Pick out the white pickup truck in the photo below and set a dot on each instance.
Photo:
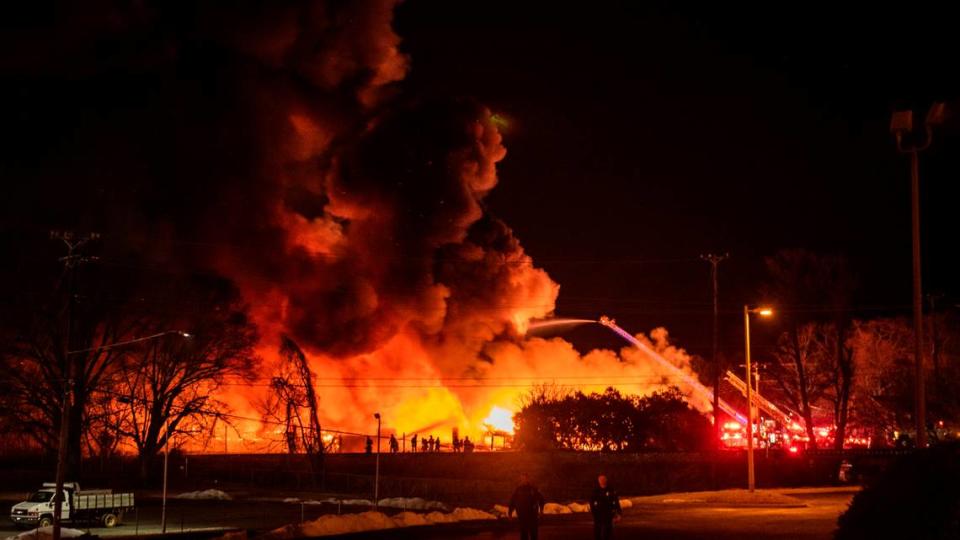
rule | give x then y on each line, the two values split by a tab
98	505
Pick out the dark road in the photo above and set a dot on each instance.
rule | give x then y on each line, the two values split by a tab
815	522
654	521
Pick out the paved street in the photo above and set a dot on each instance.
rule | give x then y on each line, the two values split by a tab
816	522
653	521
196	515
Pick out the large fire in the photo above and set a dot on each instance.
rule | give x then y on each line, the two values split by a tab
354	222
499	419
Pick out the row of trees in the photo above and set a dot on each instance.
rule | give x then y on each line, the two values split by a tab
137	395
834	363
552	418
837	364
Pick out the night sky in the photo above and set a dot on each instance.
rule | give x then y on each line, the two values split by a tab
639	137
644	136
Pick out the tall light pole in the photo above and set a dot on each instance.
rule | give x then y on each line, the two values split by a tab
902	124
376	478
715	260
764	312
166	468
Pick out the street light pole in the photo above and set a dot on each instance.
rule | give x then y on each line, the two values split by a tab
166	463
376	481
746	332
901	123
765	312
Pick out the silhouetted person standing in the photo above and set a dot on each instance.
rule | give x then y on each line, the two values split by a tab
527	502
436	444
369	445
427	444
394	444
605	506
413	444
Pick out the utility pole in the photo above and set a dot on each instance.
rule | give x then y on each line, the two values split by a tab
715	260
70	261
902	124
376	481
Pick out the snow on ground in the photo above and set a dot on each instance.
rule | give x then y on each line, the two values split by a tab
44	533
727	497
556	508
402	503
412	503
575	507
372	521
205	495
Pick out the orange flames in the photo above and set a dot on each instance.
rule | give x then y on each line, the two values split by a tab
364	237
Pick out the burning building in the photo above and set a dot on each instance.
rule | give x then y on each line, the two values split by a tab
273	144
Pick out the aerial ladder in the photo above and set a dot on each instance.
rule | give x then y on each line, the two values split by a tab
685	377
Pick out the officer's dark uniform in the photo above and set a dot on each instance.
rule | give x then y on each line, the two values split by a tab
604	504
528	502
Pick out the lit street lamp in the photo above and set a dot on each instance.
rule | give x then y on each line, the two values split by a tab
376	480
902	124
763	312
65	416
180	333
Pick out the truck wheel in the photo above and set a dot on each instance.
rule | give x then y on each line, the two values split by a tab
110	520
45	521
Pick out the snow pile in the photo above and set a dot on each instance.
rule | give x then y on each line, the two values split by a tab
439	517
578	508
205	495
470	514
403	503
572	508
412	503
373	521
43	533
459	514
556	508
410	519
346	523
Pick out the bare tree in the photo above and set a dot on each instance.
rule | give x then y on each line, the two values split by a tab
814	288
882	353
801	370
59	346
164	387
293	404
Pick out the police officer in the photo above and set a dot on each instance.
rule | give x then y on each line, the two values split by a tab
527	502
605	507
